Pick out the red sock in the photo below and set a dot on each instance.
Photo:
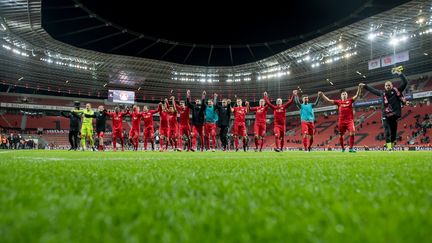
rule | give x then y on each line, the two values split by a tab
305	143
341	141
262	143
152	143
145	143
180	142
310	142
256	142
351	141
193	141
202	141
277	142
161	143
207	142
214	141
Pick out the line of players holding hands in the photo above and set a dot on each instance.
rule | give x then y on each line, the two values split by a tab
206	116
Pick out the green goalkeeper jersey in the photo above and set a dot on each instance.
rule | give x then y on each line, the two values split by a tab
86	121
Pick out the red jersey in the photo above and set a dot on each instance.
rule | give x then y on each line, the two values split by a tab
164	119
261	112
148	117
240	115
346	113
172	120
117	119
279	111
136	120
184	114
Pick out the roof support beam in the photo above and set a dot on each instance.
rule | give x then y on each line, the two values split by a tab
210	54
190	52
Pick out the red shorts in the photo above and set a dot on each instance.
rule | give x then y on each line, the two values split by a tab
117	133
279	130
210	129
307	128
173	133
133	133
260	129
346	125
240	130
185	130
149	132
100	134
198	129
164	131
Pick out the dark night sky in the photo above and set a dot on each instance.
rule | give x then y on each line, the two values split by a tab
220	23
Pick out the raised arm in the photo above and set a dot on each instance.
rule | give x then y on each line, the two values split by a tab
325	98
159	109
268	101
289	102
203	103
215	101
174	104
110	114
62	113
297	101
316	101
154	111
188	103
404	83
358	94
253	108
371	89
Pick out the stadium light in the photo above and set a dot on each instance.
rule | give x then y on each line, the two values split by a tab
394	41
420	20
371	36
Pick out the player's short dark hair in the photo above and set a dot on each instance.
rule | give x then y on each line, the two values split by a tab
77	103
343	90
305	95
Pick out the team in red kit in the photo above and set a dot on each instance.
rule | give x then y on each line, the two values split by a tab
187	121
204	116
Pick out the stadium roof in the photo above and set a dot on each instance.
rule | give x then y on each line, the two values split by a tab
30	57
218	33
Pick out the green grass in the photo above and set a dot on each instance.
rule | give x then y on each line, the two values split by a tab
59	196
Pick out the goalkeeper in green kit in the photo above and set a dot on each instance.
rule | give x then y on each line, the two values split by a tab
87	127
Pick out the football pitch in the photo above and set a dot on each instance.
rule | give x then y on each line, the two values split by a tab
61	196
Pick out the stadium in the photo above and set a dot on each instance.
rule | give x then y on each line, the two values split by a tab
183	123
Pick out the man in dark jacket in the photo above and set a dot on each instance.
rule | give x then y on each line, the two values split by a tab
74	127
224	122
392	100
198	111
